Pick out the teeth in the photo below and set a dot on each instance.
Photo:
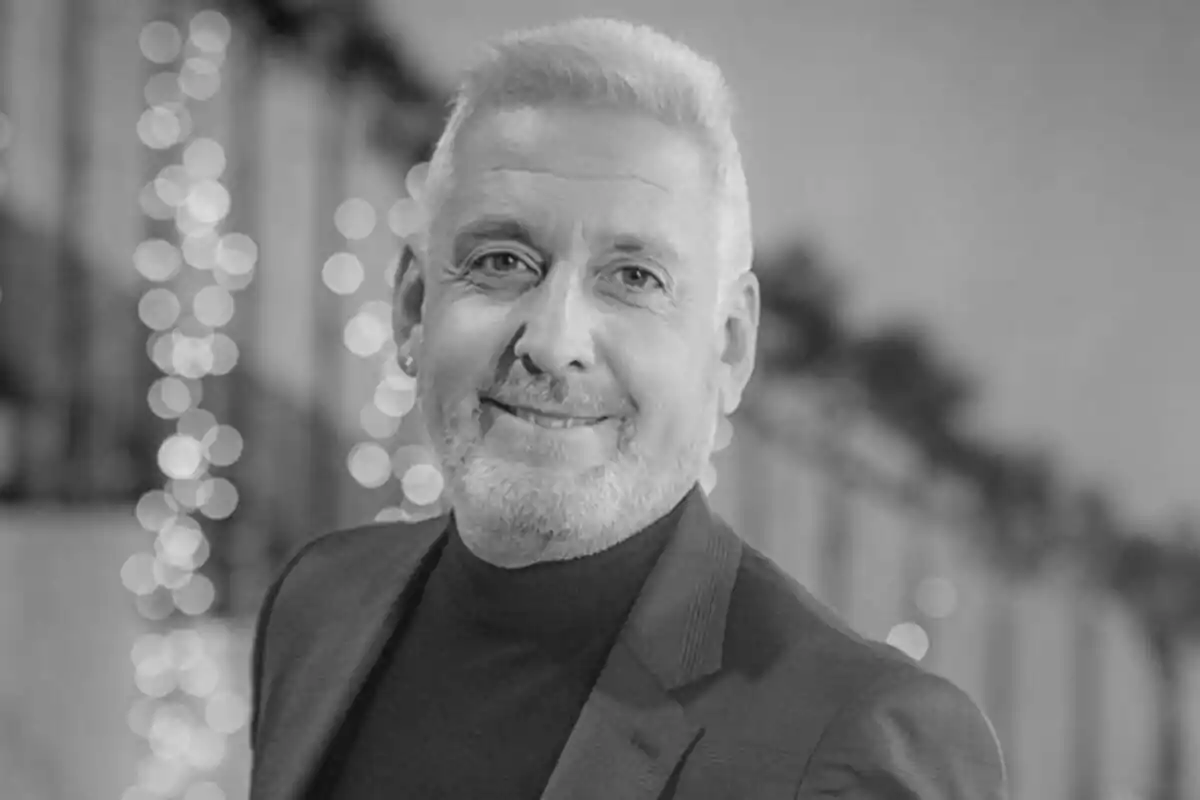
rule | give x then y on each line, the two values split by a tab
552	422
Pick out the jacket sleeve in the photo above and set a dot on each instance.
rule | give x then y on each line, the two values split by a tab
258	647
918	738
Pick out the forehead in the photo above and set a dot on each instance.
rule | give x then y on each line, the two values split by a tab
613	171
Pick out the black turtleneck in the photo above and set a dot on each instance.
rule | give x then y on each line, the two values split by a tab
482	681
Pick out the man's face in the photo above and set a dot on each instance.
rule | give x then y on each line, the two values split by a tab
570	350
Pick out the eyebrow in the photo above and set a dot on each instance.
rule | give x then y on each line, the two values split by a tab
501	227
491	228
653	246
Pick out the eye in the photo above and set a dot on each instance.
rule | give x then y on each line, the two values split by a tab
499	263
639	278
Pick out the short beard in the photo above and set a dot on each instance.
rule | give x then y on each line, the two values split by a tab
512	515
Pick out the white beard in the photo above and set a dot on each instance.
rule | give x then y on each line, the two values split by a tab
512	514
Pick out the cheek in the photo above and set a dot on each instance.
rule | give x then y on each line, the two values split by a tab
670	379
461	342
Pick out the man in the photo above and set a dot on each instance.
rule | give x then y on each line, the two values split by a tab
578	314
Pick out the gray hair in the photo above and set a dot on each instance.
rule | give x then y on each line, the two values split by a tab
614	64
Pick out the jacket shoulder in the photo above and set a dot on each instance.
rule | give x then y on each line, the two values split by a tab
790	664
320	581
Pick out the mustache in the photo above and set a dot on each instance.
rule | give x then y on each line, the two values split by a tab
556	397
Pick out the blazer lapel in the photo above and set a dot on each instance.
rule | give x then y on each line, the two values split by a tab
331	674
632	733
628	739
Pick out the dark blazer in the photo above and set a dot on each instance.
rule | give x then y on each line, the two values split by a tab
728	680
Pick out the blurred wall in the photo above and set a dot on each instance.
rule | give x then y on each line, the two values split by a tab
67	626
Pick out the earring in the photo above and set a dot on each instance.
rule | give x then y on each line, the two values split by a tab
408	365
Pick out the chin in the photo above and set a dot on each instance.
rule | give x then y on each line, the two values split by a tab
599	505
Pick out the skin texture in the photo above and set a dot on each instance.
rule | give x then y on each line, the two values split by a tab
571	268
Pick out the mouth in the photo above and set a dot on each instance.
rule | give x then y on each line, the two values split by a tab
553	420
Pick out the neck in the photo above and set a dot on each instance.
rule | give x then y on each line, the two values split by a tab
512	548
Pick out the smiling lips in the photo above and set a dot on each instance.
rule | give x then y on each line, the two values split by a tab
546	419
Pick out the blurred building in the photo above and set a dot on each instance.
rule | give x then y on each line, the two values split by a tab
198	215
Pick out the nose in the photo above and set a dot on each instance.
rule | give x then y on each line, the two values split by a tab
557	334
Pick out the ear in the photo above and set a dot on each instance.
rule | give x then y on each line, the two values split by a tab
408	301
740	313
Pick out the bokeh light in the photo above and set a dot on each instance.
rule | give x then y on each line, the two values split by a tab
377	424
200	78
405	217
161	777
423	484
154	509
137	574
197	423
222	499
191	357
395	377
342	273
365	333
158	309
394	401
140	714
180	457
226	712
186	347
207	750
355	218
224	354
155	606
210	31
162	89
369	464
200	249
409	456
224	445
204	790
390	514
204	159
180	545
152	205
160	127
172	185
196	597
237	253
213	305
169	397
208	201
190	493
160	42
910	639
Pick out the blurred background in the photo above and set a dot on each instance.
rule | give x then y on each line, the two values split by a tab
973	430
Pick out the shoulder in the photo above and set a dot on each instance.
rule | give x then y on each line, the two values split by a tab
325	578
343	557
847	705
775	622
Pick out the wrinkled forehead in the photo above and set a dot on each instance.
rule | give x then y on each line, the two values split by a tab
616	171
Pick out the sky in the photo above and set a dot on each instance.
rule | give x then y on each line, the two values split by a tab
1022	176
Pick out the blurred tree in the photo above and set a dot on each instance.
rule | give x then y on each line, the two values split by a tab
906	383
801	329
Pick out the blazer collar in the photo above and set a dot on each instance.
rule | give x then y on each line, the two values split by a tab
631	733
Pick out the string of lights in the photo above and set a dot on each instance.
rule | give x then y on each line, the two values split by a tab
368	334
186	710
